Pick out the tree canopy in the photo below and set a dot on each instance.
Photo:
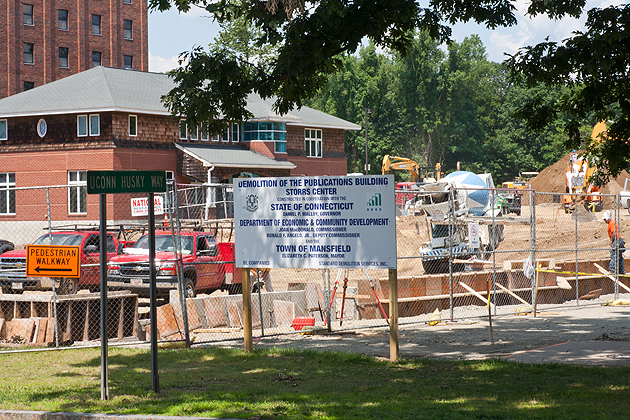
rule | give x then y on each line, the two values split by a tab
310	37
595	66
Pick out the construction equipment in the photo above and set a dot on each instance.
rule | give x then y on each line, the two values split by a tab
579	189
453	206
418	173
405	191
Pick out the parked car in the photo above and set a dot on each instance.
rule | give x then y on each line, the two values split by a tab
13	263
205	265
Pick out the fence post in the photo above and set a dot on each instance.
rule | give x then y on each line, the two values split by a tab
450	252
532	239
53	283
394	347
180	283
247	310
577	280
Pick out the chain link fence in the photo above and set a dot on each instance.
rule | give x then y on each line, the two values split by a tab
459	256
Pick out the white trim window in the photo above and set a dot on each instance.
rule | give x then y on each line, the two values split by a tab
225	137
183	130
7	193
82	125
204	131
133	125
194	133
216	137
77	192
91	125
4	130
95	125
235	133
313	142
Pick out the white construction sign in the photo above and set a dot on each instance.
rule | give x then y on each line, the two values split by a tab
140	206
315	222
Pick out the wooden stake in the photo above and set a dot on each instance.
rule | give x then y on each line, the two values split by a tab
474	292
514	295
608	275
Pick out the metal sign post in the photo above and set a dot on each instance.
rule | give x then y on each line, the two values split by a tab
112	182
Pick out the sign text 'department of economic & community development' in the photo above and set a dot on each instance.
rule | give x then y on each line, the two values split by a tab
315	222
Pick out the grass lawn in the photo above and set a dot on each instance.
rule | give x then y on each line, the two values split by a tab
289	384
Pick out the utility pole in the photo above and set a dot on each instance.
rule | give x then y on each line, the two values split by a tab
367	165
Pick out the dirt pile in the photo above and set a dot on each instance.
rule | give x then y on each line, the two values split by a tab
552	179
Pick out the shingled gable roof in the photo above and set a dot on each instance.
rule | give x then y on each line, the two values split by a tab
104	89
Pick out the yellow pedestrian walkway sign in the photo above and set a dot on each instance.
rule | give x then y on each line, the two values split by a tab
53	261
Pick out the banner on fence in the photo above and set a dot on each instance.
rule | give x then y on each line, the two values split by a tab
315	222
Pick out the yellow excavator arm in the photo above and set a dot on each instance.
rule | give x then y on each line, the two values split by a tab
396	163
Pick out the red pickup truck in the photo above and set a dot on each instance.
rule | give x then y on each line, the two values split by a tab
205	265
13	263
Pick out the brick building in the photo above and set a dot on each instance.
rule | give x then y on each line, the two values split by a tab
42	41
113	119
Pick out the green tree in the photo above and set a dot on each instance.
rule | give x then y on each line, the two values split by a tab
594	65
311	37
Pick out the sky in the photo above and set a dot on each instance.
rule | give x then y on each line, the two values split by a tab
171	33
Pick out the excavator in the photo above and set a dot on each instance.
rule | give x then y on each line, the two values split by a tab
418	173
579	189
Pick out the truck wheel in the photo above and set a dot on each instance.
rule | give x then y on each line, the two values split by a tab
235	289
68	286
6	247
435	266
189	287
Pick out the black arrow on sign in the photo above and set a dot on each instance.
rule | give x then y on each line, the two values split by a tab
38	269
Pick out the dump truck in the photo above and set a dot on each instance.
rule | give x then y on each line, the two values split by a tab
453	206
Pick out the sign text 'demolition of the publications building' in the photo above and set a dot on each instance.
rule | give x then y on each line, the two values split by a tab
315	222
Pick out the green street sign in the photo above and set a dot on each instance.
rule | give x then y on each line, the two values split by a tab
111	182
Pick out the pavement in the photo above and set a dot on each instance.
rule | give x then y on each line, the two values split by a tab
578	352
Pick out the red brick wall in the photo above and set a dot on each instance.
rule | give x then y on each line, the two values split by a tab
47	38
316	167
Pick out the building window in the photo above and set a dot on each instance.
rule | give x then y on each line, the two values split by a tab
63	19
133	125
96	58
183	132
127	29
96	24
91	125
95	125
63	57
7	193
204	131
313	143
127	1
28	86
225	137
3	130
27	12
267	131
128	62
235	133
194	132
28	53
77	192
216	137
82	126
